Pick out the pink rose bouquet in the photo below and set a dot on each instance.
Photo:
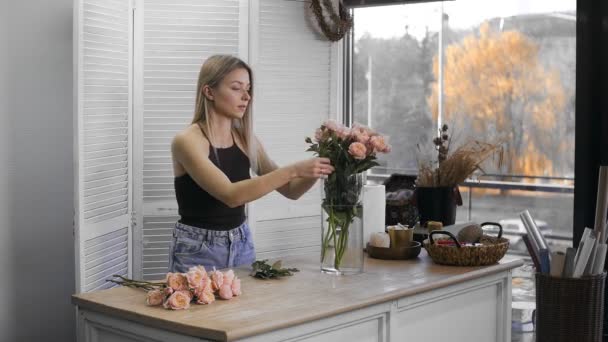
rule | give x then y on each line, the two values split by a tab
180	289
351	151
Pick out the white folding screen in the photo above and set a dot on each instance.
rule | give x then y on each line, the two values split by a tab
173	39
296	89
146	55
102	146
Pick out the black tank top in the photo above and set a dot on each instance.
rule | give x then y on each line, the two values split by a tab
197	207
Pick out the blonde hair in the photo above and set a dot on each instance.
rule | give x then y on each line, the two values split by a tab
212	73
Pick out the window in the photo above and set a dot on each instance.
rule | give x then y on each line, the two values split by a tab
508	72
392	76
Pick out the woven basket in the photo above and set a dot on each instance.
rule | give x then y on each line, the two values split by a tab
491	250
569	309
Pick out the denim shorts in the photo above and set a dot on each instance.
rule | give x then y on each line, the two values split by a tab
192	246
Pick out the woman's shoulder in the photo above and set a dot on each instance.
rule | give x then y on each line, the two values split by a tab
189	137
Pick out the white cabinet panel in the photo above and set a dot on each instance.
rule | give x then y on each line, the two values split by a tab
470	316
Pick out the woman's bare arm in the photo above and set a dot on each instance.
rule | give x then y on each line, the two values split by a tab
192	151
296	187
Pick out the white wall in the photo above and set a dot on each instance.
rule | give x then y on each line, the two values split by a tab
5	174
36	177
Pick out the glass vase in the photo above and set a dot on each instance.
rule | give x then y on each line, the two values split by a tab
342	224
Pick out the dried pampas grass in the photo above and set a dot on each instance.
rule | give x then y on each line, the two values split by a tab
459	165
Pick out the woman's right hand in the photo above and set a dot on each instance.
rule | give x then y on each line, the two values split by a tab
314	168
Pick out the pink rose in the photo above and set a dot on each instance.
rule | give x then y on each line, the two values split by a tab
154	297
197	277
226	291
362	137
177	281
360	134
228	278
236	287
379	144
217	279
357	150
199	268
343	133
205	296
168	291
368	130
206	282
331	125
198	293
178	300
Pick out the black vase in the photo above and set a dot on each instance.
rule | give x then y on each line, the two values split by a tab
437	204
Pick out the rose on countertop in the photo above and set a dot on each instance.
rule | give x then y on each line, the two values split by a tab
180	289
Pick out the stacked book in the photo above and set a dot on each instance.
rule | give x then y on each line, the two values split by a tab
588	258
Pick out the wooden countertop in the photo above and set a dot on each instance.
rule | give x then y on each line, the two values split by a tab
268	305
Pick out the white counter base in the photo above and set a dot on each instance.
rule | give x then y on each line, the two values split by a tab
474	310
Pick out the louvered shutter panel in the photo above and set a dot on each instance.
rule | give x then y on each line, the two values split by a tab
296	78
175	38
102	141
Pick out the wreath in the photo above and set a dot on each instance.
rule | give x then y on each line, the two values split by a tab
342	23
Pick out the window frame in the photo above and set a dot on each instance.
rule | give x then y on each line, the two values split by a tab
591	107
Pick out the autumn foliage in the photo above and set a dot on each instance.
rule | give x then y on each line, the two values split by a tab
495	87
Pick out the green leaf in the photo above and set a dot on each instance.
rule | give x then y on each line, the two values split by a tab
262	270
366	165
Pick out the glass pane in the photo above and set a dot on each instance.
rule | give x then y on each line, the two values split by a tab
510	74
392	76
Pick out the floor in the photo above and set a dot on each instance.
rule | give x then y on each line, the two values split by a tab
523	304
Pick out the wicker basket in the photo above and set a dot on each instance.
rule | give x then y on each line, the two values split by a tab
491	250
569	309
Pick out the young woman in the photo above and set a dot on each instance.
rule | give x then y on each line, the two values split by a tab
212	159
